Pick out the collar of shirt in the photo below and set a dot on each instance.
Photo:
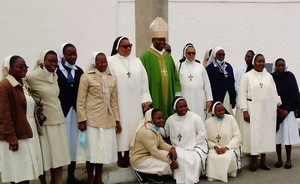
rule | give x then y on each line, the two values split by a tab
12	80
160	52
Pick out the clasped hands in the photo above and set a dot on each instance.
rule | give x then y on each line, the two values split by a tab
220	150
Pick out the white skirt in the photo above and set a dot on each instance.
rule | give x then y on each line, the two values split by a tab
24	164
102	146
55	148
288	133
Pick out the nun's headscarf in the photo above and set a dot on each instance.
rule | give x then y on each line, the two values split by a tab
146	119
176	100
60	49
116	44
212	57
184	50
214	107
274	65
6	66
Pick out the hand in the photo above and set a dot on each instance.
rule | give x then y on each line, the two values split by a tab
285	113
246	116
14	146
146	106
173	154
118	127
82	126
220	150
174	165
208	106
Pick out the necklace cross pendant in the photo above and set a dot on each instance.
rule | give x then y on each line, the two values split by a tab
261	85
218	137
164	71
190	77
128	74
179	137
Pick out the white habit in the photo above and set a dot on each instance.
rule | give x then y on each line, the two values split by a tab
259	97
132	87
187	133
195	87
223	133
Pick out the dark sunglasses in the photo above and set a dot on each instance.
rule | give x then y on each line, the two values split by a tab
191	53
126	46
21	67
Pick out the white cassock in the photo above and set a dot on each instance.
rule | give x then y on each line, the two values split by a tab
195	87
224	133
239	116
187	133
259	96
132	86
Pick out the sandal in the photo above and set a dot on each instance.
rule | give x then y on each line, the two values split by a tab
287	165
278	164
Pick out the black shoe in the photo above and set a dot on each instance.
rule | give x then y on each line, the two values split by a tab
141	177
155	178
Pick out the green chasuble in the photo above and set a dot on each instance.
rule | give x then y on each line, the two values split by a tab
163	80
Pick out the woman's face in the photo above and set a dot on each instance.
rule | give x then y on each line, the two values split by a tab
259	63
190	53
280	67
181	108
158	119
219	111
220	55
51	62
70	55
19	69
124	48
248	57
101	63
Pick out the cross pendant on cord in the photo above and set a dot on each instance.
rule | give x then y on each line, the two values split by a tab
218	137
191	77
261	85
179	136
128	74
164	71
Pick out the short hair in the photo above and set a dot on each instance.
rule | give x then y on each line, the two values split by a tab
154	111
13	60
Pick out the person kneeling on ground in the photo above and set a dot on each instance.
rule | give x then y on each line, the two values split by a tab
150	156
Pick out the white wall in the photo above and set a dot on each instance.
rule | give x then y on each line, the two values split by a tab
31	26
271	27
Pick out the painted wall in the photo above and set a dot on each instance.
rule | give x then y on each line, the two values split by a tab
268	26
29	27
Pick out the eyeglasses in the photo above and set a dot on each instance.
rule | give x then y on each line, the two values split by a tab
126	46
191	53
21	67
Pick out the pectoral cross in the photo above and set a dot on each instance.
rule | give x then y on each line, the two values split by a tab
164	71
179	136
191	77
128	74
218	137
261	85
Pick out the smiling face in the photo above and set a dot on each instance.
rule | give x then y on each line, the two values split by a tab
158	119
159	43
219	111
18	68
51	62
259	63
124	47
190	53
181	107
101	62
